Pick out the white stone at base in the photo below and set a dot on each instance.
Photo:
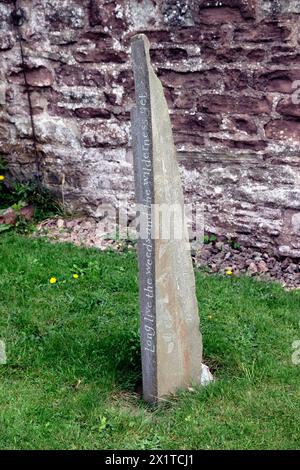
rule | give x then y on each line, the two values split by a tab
206	376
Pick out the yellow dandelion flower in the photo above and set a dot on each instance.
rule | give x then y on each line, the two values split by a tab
75	276
229	272
53	280
2	177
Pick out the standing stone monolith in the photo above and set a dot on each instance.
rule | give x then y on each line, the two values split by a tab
170	338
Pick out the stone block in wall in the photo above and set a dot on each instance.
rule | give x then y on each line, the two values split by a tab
198	81
228	55
92	113
61	14
7	40
288	108
178	13
287	60
49	130
196	35
36	77
188	141
104	133
63	38
5	132
219	15
182	99
238	144
172	53
73	75
244	124
246	9
109	15
146	14
213	103
264	32
69	99
237	80
183	122
5	10
125	78
284	129
280	80
100	55
277	7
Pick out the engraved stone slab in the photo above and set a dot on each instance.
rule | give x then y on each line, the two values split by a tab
170	337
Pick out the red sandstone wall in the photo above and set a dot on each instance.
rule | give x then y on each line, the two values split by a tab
228	68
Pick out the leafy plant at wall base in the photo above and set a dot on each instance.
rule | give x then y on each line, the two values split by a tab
24	226
234	244
209	239
19	195
38	196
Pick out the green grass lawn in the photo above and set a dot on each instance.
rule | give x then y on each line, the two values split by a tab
73	358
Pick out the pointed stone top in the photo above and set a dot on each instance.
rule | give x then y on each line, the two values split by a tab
141	37
140	45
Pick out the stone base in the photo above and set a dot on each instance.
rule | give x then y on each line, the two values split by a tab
206	375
